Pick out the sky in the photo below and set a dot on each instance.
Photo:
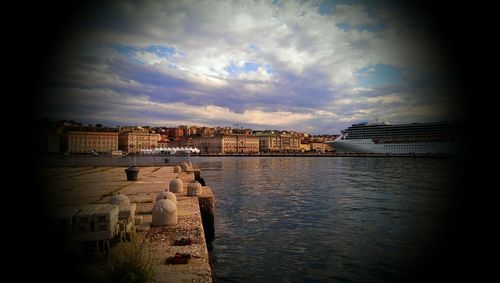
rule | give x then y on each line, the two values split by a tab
310	66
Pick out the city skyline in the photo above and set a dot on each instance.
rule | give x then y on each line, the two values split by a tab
46	124
309	66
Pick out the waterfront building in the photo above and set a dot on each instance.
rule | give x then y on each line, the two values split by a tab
305	147
90	140
320	147
227	144
187	142
163	143
136	139
278	143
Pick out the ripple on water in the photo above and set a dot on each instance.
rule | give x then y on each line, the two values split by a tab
324	219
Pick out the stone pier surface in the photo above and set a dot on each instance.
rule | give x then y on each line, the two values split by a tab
70	186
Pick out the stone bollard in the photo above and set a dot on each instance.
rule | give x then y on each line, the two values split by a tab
160	196
176	185
177	169
184	166
119	199
164	213
194	189
166	195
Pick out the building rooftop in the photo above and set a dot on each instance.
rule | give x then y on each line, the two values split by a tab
90	129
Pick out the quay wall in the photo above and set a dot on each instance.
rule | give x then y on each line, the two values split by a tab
77	186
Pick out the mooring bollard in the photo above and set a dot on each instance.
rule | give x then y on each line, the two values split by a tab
132	173
176	185
119	199
194	188
167	195
164	213
184	166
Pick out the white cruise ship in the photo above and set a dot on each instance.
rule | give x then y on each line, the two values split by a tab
416	138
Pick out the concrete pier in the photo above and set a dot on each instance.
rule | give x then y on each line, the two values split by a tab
70	186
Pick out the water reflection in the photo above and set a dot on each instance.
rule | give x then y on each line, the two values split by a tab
310	219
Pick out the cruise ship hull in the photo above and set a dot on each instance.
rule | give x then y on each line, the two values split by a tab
368	146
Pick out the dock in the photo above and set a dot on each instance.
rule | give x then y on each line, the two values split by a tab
70	187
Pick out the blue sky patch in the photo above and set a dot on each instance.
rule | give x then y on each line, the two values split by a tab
124	49
269	68
379	75
250	67
232	68
247	68
160	51
327	6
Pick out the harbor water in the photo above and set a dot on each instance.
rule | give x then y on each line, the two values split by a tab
330	219
307	219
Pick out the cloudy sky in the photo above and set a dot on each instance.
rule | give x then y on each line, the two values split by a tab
314	66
